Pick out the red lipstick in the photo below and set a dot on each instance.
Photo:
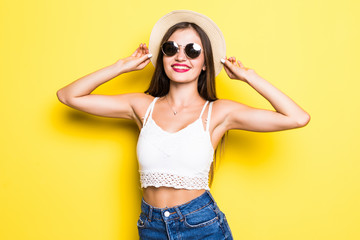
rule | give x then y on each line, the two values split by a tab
180	67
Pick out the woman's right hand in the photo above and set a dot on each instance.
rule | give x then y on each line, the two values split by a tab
137	61
78	93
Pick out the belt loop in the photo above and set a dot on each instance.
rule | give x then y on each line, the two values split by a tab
212	198
179	213
150	213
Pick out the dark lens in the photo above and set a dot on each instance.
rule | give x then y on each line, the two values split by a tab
193	50
169	48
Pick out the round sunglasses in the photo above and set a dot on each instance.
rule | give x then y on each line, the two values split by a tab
170	48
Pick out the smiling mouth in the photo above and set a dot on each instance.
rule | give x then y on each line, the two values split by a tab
180	68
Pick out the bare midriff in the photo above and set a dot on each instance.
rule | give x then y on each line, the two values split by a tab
163	197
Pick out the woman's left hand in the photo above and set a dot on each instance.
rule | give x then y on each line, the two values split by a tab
236	70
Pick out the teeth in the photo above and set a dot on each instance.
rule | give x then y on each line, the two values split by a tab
180	67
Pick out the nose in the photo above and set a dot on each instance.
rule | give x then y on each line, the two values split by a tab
180	55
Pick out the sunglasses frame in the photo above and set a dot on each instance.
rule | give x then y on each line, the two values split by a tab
178	48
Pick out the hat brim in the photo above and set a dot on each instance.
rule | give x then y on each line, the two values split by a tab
211	29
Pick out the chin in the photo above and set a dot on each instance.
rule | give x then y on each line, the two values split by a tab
182	80
182	77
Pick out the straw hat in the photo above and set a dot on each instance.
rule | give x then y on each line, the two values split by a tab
211	29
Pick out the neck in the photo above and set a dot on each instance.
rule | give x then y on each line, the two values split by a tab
183	95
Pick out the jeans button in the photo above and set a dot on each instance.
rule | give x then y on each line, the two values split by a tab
166	213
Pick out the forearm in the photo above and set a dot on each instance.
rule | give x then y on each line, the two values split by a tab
85	85
280	101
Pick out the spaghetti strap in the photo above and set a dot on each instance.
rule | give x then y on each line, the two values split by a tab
149	111
202	111
209	116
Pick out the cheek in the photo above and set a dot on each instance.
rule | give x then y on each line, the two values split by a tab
166	64
167	68
200	63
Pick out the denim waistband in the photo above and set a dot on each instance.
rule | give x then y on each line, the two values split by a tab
177	212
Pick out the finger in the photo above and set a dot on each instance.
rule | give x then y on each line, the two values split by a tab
229	64
147	62
240	64
143	50
145	57
138	60
226	62
143	64
138	53
146	49
229	72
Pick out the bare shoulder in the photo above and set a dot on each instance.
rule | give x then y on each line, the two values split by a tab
139	103
223	111
139	99
220	110
136	95
225	106
219	123
134	100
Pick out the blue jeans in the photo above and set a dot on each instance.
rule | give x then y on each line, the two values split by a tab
199	218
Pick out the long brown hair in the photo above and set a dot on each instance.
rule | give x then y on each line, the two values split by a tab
160	83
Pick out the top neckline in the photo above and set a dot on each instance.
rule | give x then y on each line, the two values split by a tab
179	131
182	129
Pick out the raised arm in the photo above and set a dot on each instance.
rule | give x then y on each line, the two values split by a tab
287	114
78	93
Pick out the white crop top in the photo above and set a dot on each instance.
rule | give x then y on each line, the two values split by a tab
181	159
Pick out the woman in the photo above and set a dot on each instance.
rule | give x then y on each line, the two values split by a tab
181	121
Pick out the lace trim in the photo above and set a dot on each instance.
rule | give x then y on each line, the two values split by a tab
158	179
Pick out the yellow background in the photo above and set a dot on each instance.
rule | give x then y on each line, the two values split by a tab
69	175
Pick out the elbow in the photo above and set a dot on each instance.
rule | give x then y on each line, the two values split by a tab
303	120
61	96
